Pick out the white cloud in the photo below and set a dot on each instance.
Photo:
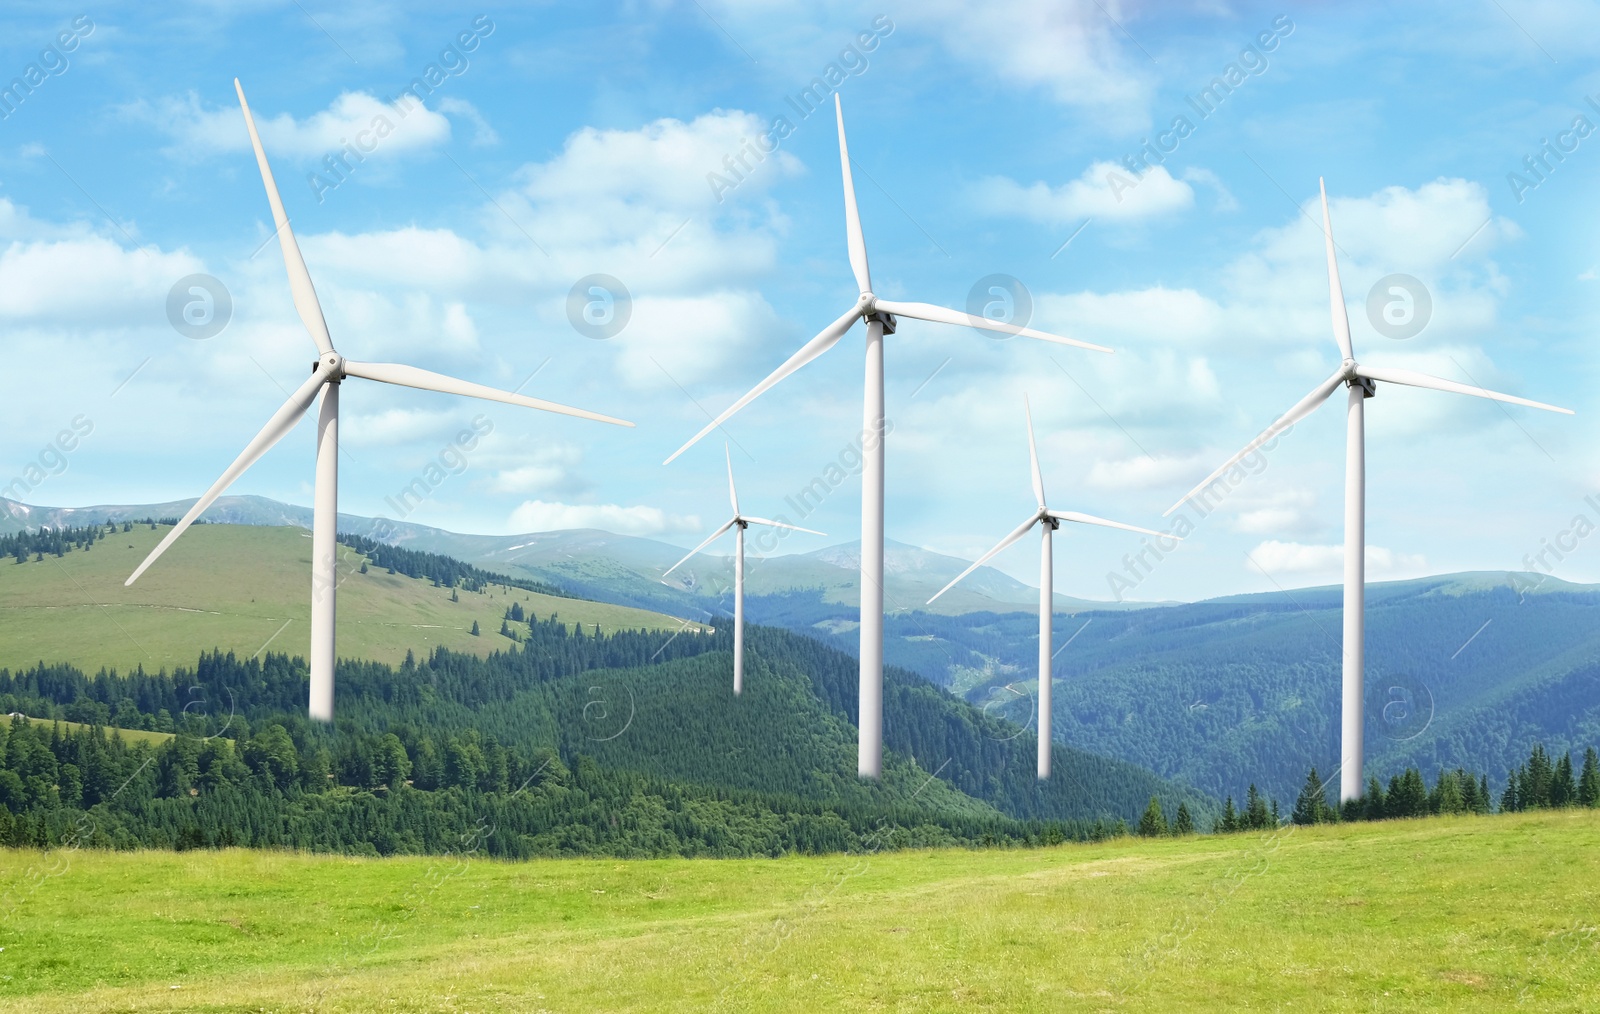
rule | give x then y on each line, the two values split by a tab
371	124
483	135
1072	51
90	279
1299	558
539	516
1106	192
690	337
1142	472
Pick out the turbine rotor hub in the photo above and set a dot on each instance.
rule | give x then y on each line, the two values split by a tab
333	362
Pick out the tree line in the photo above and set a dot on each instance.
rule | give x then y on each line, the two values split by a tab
443	571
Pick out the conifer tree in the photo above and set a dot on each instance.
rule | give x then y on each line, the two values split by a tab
1508	799
1312	805
1229	821
1183	823
1563	790
1589	781
1256	815
1154	823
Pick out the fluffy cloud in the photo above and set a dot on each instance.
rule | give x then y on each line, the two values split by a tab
1105	191
354	118
1301	559
87	280
539	516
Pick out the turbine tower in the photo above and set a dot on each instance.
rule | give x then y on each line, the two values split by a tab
879	315
1362	383
327	373
739	523
1048	521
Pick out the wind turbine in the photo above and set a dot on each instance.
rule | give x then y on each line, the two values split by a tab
1048	521
326	374
1362	383
879	315
739	523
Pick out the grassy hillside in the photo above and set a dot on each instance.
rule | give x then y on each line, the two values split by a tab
1393	917
129	736
242	588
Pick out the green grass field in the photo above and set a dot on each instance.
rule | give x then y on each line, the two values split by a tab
132	737
243	588
1453	914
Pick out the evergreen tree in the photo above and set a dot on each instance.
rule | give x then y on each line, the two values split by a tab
1183	823
1446	798
1534	787
1563	790
1229	821
1256	815
1311	807
475	631
1154	822
1589	781
1509	802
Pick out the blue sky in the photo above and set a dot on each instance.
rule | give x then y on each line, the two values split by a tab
577	141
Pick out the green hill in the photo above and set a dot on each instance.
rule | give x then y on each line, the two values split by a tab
1463	670
242	589
1484	914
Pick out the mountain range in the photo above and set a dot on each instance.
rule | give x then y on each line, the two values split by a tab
1465	669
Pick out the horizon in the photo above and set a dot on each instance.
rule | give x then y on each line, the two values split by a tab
1540	578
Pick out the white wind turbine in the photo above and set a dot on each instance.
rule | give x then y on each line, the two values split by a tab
879	315
1048	521
739	523
327	373
1362	383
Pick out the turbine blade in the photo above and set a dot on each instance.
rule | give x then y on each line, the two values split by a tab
1341	318
1412	378
305	294
927	311
1033	454
281	423
780	524
852	215
1090	519
986	557
426	380
709	540
733	494
1303	408
826	339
